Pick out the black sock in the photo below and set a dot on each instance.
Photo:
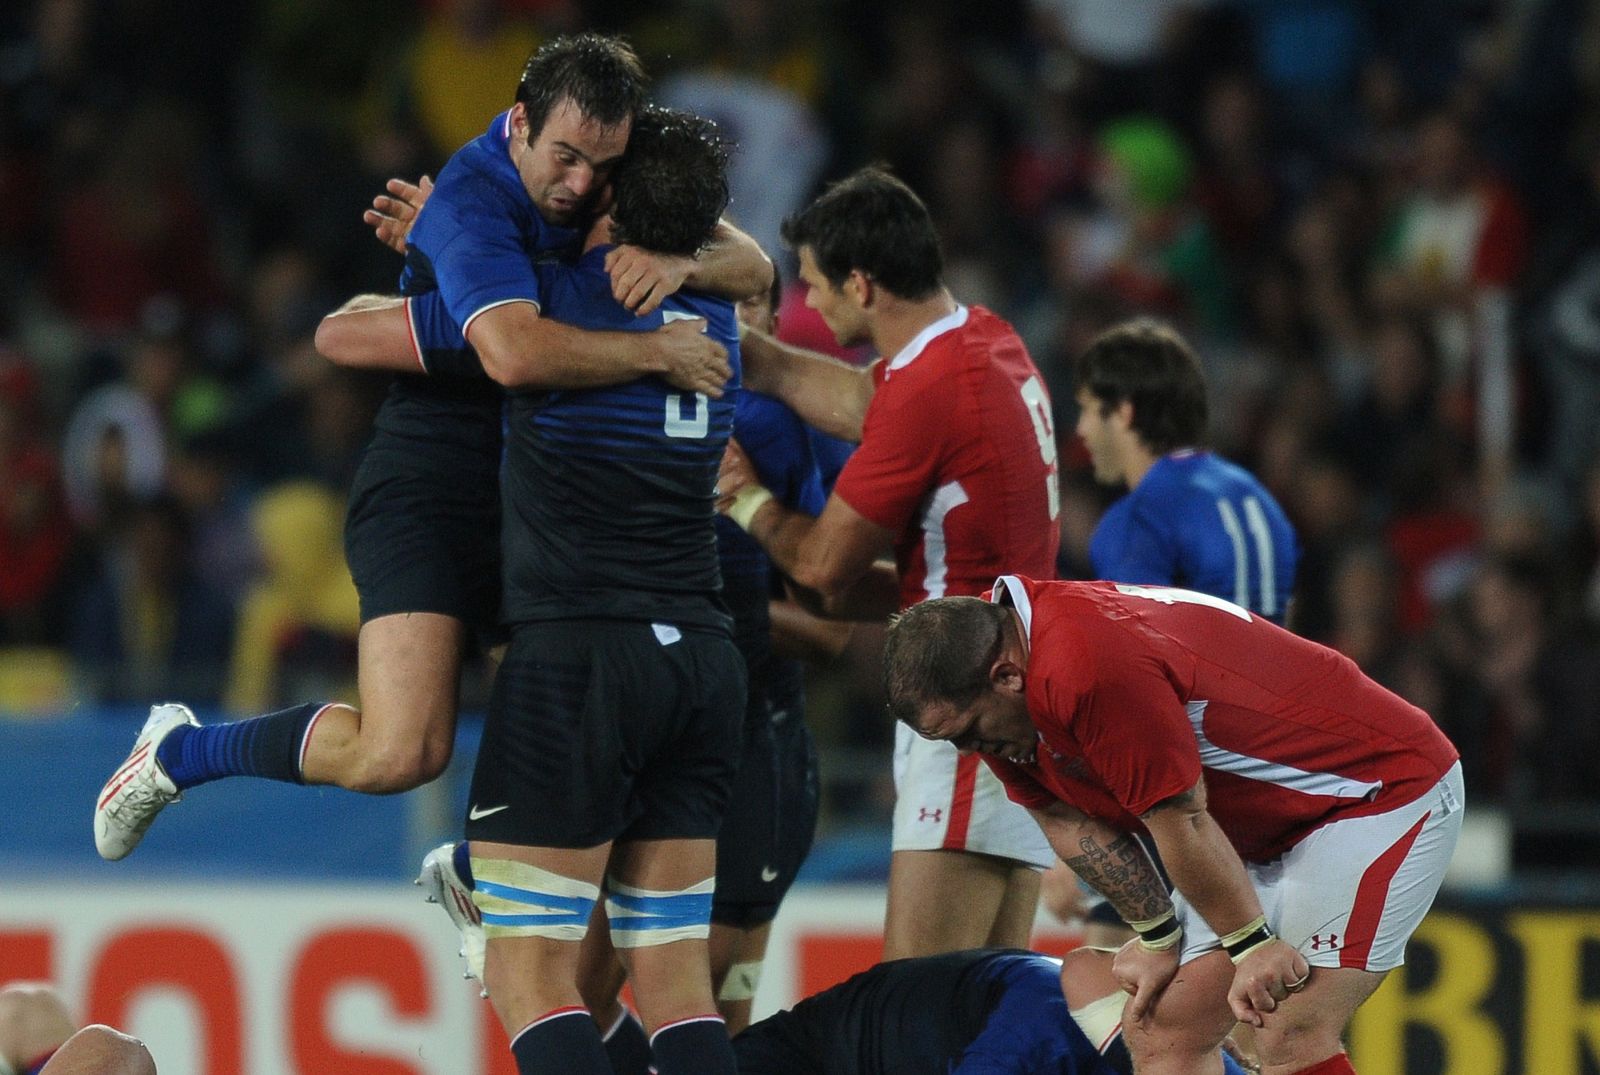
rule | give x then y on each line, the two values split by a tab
695	1046
627	1047
562	1042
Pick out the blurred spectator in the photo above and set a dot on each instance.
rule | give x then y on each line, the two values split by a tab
204	476
1363	626
1588	551
1238	184
298	623
1564	329
1115	49
1433	529
1325	502
35	533
1145	240
759	87
1457	239
462	70
115	453
135	227
144	626
1540	684
1393	420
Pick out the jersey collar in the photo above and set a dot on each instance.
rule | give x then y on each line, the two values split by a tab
910	351
1008	590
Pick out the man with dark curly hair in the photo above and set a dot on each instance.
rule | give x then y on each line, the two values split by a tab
614	729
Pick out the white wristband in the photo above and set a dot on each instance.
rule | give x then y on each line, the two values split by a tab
746	502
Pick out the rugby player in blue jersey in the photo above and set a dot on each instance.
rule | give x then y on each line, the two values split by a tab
615	725
1191	518
977	1012
423	523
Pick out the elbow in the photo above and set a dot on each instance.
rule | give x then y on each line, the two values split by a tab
762	274
335	342
502	372
826	581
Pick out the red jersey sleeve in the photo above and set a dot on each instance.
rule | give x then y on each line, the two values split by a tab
890	474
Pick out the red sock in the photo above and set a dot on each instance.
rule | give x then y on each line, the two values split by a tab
1337	1064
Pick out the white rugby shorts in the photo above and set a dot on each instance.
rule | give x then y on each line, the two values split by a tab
944	801
1352	893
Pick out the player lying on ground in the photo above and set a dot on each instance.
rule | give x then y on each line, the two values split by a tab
981	1012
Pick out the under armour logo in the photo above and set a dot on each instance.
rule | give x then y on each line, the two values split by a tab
1318	942
935	815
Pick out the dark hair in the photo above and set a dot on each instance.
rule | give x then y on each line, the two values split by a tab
941	651
874	223
1148	364
601	75
672	184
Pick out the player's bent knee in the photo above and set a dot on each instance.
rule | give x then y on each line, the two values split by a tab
1296	1041
400	769
517	899
642	917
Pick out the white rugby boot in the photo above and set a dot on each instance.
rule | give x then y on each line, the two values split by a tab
443	885
140	788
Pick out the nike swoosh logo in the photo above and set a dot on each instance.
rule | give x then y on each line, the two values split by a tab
768	874
475	814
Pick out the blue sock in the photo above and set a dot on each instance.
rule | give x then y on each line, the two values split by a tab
564	1042
627	1047
461	858
696	1046
266	746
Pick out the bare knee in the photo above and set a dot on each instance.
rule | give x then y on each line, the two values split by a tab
33	1020
1289	1044
100	1050
391	768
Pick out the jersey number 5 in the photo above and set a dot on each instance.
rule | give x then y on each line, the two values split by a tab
695	424
1038	404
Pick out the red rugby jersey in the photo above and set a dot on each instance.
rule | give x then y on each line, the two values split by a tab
1137	690
958	458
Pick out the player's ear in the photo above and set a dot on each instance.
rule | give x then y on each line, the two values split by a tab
860	286
1124	414
1006	676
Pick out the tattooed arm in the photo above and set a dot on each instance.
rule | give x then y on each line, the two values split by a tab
1111	861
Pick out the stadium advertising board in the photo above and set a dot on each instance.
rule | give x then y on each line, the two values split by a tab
239	980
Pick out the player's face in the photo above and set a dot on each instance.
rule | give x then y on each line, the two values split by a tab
757	311
1099	434
996	724
568	163
839	309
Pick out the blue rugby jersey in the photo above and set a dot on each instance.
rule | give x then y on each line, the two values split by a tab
779	448
1201	523
607	492
476	243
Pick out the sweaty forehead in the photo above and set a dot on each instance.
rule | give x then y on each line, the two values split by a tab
595	140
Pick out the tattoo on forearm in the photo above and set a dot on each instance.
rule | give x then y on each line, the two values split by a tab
1122	873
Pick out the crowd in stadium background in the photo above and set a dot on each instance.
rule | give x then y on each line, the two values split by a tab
1379	223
